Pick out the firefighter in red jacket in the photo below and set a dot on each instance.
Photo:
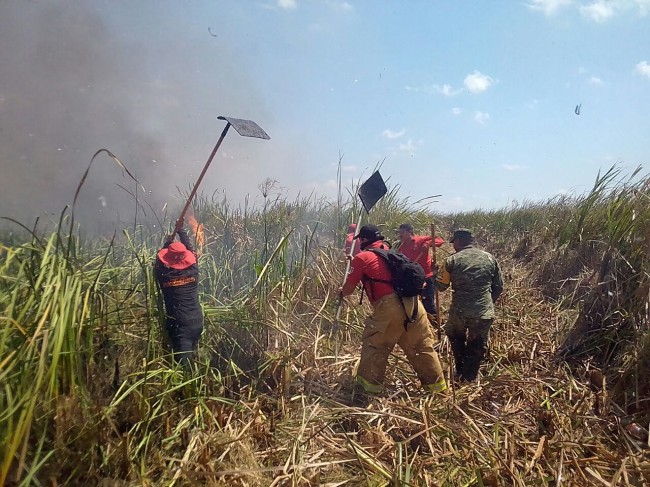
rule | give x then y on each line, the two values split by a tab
416	248
177	273
386	327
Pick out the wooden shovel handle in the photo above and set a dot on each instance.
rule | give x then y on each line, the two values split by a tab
434	261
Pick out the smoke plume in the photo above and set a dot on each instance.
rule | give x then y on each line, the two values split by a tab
72	81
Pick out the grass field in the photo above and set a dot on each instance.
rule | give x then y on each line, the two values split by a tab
89	398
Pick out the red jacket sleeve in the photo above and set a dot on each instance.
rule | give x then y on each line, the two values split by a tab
424	241
355	275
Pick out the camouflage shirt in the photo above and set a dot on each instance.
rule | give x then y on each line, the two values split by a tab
475	280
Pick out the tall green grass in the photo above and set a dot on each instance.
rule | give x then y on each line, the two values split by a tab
592	252
88	391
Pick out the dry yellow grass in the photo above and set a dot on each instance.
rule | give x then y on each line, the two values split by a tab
529	420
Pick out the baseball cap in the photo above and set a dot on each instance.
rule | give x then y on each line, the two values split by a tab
462	234
371	232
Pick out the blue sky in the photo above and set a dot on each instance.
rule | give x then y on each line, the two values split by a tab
471	100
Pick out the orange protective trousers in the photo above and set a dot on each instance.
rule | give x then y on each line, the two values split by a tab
383	330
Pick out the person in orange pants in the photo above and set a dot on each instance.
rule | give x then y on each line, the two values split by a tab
388	325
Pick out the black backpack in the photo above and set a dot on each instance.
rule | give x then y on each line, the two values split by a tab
407	277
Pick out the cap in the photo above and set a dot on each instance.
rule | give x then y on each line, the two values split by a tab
462	234
371	232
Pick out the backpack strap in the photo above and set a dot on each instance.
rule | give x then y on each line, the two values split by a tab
414	315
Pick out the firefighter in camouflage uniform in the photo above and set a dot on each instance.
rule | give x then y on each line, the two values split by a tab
476	282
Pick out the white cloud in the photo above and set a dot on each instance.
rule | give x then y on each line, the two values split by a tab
643	6
389	134
513	167
595	80
349	168
603	10
600	10
643	68
446	90
410	148
477	82
548	7
481	117
595	10
456	111
287	4
343	7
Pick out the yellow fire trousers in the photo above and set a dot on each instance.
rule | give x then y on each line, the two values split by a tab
383	330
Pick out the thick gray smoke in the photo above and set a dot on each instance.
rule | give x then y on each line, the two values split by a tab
69	85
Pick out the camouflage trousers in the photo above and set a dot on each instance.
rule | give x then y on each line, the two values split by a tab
468	337
383	330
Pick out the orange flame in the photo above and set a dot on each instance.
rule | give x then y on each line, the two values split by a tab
197	230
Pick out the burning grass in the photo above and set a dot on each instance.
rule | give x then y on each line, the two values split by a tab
88	397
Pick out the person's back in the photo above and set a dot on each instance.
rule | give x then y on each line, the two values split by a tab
394	321
473	272
177	273
372	271
180	290
416	248
476	282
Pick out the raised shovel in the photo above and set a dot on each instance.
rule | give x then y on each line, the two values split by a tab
245	128
370	192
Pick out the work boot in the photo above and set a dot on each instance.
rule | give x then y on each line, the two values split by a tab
458	349
364	391
360	398
436	389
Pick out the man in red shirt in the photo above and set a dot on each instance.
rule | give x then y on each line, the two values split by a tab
416	248
386	327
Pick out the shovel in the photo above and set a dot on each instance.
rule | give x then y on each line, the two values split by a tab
245	128
436	295
369	193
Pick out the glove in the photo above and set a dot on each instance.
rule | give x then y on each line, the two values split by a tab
179	224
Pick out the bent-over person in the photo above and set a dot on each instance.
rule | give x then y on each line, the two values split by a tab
177	272
388	325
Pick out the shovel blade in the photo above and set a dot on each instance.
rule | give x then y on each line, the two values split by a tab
246	128
372	191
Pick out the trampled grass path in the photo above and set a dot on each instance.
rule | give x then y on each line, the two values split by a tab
530	420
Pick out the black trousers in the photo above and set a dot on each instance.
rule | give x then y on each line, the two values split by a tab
428	296
184	337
